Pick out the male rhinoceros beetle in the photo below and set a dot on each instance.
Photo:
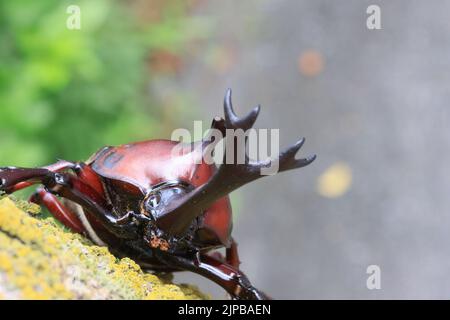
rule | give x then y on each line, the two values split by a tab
167	213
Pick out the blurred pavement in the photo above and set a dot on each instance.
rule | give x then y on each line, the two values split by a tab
374	100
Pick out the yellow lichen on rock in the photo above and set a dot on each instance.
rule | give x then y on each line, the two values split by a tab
40	260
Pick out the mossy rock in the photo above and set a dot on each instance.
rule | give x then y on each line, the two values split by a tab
41	260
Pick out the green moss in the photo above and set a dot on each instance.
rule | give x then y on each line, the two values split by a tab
39	260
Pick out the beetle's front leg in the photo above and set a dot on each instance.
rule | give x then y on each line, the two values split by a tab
69	187
231	279
11	176
13	179
58	210
74	189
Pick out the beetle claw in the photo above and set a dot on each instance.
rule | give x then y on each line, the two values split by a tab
232	121
245	291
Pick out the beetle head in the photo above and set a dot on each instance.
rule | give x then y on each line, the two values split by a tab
160	195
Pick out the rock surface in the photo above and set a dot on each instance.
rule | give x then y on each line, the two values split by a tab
41	260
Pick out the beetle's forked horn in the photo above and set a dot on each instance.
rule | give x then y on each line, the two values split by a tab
179	214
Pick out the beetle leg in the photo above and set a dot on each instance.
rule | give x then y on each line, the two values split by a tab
20	178
57	209
231	279
232	254
69	187
74	189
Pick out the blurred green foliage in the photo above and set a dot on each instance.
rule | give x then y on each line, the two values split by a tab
65	93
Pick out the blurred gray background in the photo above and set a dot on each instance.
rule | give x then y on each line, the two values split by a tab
375	101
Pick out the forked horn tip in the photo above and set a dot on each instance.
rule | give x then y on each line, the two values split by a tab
256	109
292	150
300	143
306	161
311	158
227	99
250	119
228	106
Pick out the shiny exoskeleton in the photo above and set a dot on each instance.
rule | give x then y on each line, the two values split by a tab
166	210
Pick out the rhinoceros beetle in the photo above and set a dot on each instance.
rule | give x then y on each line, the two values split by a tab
167	213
